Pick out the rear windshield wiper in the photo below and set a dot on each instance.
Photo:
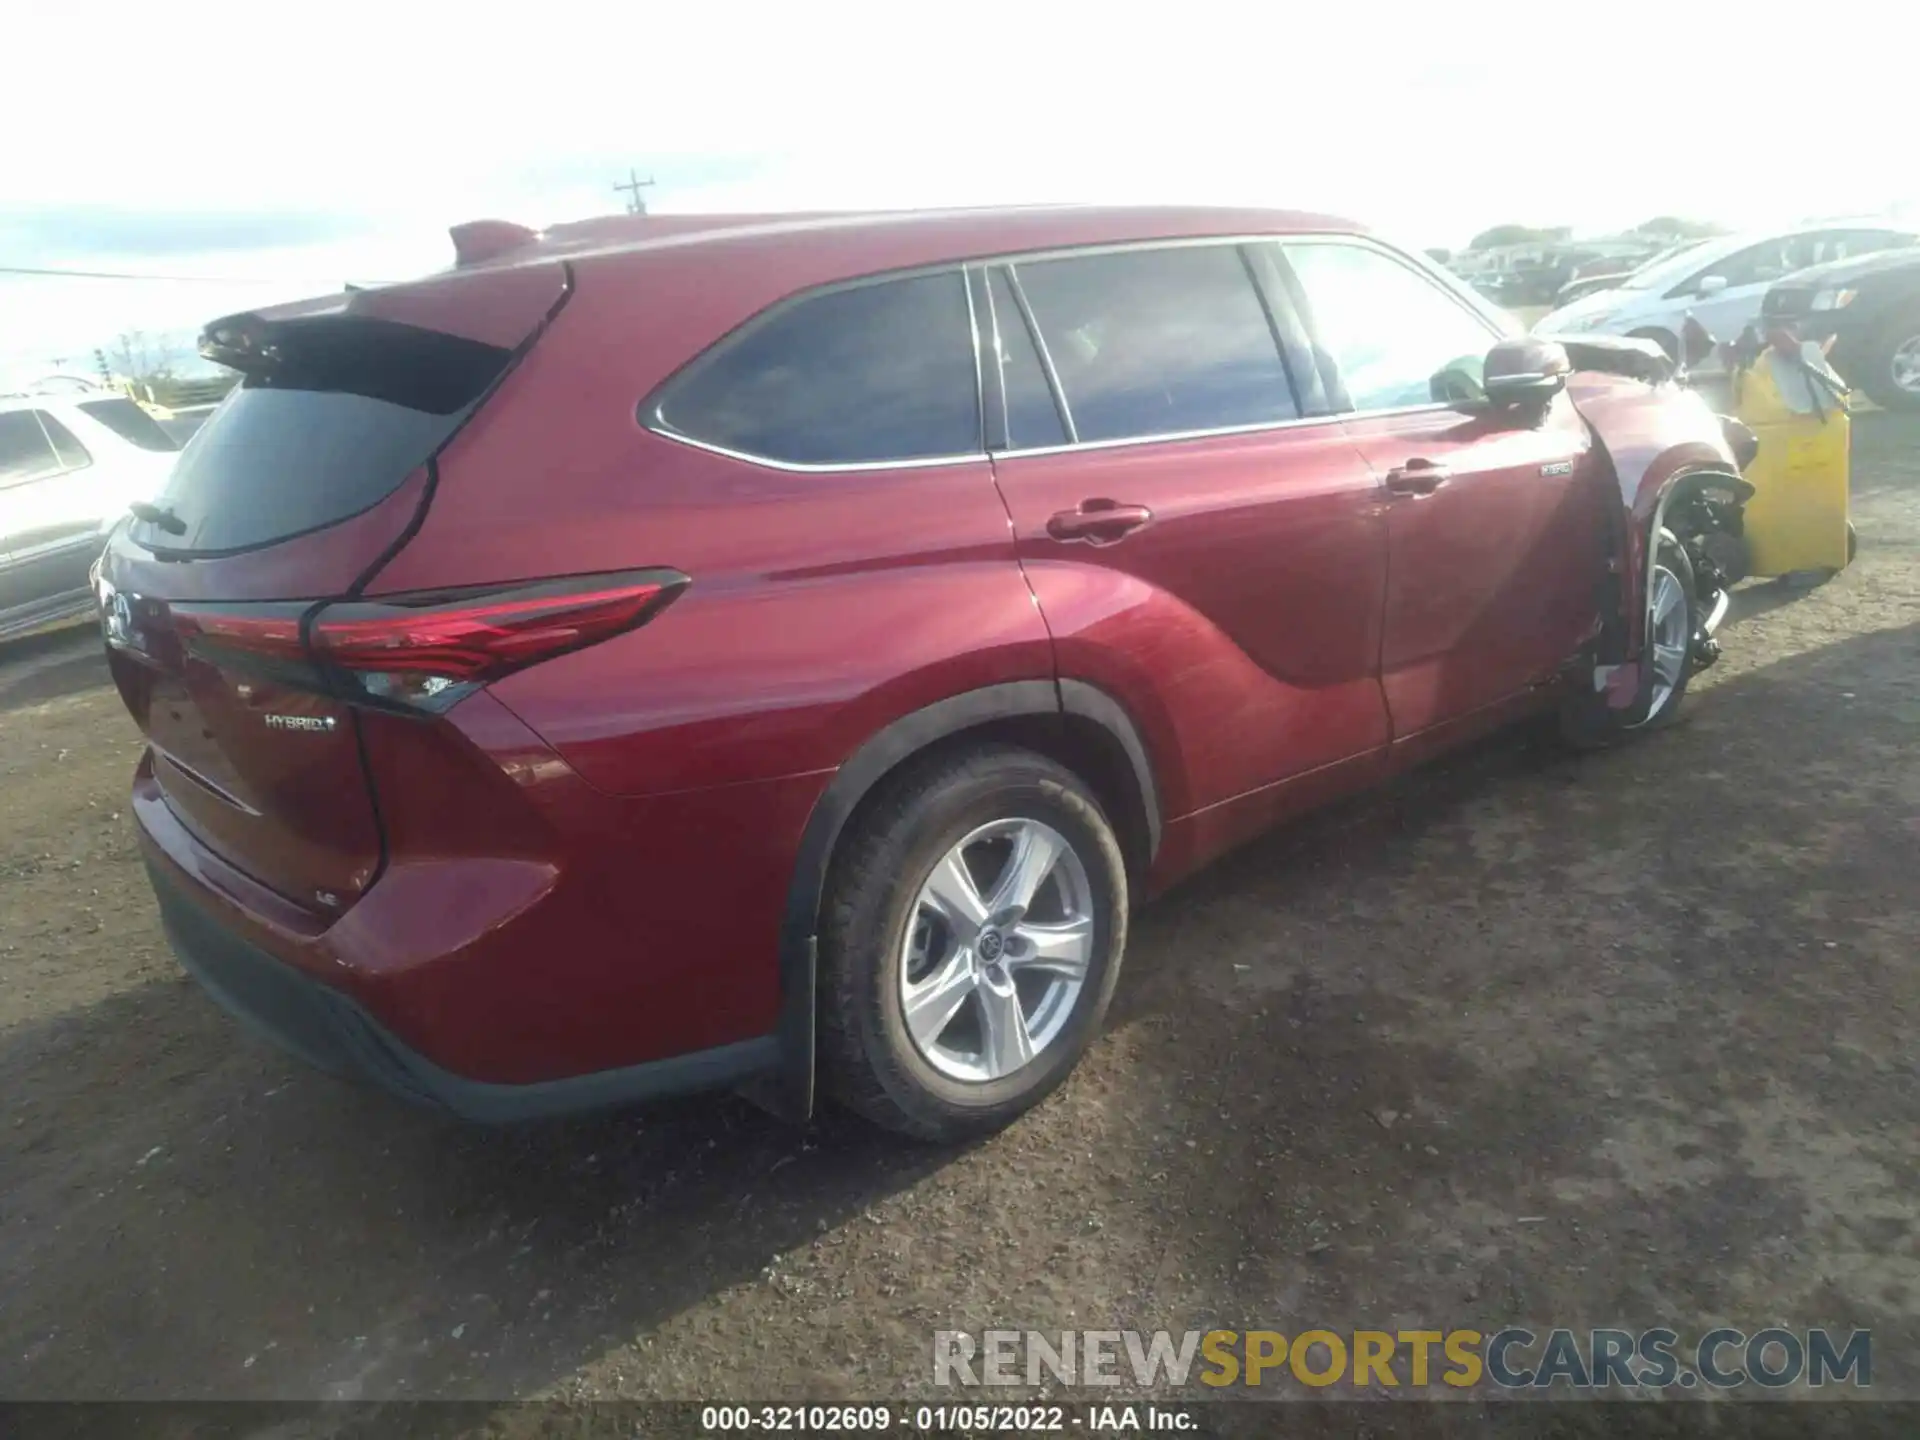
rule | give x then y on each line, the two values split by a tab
159	516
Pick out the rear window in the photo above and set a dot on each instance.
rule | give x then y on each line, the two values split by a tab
873	374
25	453
70	452
342	412
130	423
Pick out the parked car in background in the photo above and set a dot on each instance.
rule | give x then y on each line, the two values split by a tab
1613	271
659	646
1720	282
71	460
1870	309
1530	280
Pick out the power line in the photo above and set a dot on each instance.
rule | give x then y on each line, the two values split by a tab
117	275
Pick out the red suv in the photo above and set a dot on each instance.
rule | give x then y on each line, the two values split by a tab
676	652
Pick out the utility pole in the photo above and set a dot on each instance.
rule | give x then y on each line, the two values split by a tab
636	202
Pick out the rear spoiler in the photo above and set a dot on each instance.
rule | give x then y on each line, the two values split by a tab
496	307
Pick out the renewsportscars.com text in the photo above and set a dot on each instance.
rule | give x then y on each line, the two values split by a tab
1513	1358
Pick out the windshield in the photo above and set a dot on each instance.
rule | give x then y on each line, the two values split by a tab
1651	274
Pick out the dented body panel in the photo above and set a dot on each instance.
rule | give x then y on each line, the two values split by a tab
1654	435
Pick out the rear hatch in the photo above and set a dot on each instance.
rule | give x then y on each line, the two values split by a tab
306	479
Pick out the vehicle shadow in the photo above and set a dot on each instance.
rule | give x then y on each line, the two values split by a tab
50	665
1760	597
1886	453
1567	1042
190	1214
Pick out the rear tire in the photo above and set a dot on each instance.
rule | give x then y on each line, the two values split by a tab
903	928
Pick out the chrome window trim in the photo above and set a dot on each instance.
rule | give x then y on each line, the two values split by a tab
842	467
1179	242
1031	325
648	409
1171	436
979	372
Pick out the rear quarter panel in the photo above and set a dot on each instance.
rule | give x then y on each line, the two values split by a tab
824	604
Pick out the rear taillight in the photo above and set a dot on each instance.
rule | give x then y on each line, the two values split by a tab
424	651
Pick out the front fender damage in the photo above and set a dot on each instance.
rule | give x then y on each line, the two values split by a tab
1675	469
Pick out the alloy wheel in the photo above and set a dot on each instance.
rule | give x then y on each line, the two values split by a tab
1904	367
1670	622
997	950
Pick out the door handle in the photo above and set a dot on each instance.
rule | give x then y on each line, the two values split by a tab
1417	478
1098	521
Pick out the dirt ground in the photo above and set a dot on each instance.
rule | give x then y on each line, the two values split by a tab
1623	1039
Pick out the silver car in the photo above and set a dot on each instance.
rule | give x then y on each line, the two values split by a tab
70	465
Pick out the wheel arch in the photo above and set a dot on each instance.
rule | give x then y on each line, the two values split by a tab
1682	483
1662	335
1070	721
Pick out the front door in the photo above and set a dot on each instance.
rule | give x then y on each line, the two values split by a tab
1495	548
1202	538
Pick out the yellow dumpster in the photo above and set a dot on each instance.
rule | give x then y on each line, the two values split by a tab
1796	522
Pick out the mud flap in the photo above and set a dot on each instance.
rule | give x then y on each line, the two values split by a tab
786	1091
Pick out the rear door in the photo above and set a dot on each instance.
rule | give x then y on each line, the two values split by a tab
292	494
1191	479
1494	529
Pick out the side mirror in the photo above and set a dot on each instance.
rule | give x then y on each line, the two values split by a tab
1711	285
1526	372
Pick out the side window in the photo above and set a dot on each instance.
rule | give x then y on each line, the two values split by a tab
1851	244
869	374
1032	417
70	452
1156	342
129	422
1392	336
1759	264
24	452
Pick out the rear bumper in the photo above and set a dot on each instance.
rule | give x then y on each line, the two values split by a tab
330	1031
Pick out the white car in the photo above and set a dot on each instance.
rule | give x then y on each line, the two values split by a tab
1720	282
71	462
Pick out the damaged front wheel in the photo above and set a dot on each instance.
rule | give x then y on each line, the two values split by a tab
1669	633
1673	638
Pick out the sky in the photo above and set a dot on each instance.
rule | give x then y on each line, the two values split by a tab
253	153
